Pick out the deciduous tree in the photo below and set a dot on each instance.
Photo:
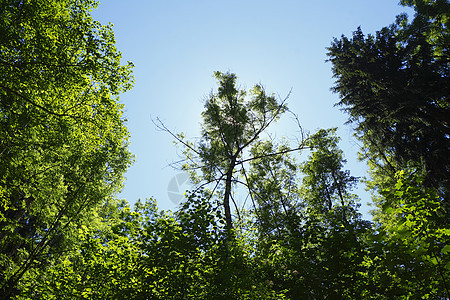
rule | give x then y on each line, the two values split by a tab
63	144
233	121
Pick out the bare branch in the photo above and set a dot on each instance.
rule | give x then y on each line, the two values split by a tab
160	125
302	133
301	147
235	206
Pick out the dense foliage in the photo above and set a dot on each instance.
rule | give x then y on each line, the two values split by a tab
63	145
63	150
395	87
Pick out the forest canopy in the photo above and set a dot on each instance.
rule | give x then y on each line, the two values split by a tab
65	234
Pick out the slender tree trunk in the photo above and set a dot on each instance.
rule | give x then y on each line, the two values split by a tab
226	198
341	197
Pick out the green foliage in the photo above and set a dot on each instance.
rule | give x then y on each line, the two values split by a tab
334	234
307	249
395	87
150	254
63	145
325	181
103	264
273	187
63	150
415	229
231	122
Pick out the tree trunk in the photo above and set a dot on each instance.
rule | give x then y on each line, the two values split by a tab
226	198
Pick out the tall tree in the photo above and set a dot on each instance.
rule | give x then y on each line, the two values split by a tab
327	185
233	121
272	182
395	87
63	144
316	245
334	231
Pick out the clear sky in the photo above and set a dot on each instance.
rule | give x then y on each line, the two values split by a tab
177	45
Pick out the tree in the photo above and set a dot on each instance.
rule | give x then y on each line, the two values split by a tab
232	123
103	263
327	185
272	182
151	254
63	144
395	87
317	248
333	232
413	231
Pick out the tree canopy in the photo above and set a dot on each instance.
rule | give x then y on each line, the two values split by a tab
63	144
395	87
233	122
64	234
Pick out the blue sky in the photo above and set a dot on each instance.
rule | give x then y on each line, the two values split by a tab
177	45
